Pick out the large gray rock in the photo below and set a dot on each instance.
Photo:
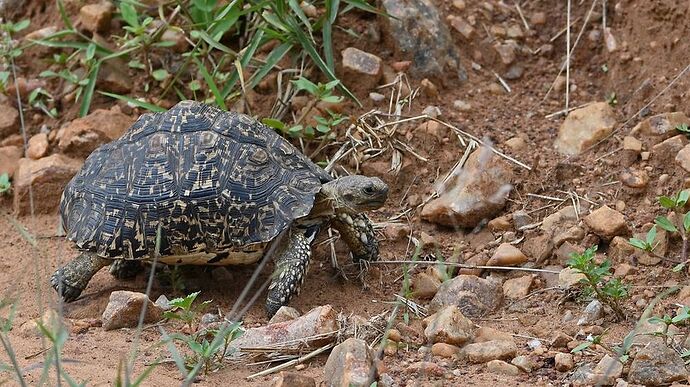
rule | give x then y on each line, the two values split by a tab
657	365
350	364
474	296
479	191
421	35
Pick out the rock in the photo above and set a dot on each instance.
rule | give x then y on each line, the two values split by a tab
124	308
462	26
462	106
163	303
484	334
425	285
560	340
635	178
660	127
425	368
606	372
293	379
506	52
573	234
523	363
539	247
516	288
9	120
593	312
565	252
15	139
569	277
502	223
9	159
449	326
81	136
538	19
113	77
350	364
176	36
459	5
630	143
474	296
420	35
502	368
606	222
429	88
364	68
38	146
515	32
478	192
665	152
489	350
657	365
564	362
610	40
396	232
432	111
50	319
507	255
444	350
96	17
376	97
309	328
285	313
683	158
583	127
46	178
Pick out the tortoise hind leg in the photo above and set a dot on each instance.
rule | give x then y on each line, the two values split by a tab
358	233
125	268
70	280
290	270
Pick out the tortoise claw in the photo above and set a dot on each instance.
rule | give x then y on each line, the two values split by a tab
68	292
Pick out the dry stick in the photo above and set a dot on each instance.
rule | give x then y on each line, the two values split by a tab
577	40
567	61
564	30
519	10
463	266
566	111
290	363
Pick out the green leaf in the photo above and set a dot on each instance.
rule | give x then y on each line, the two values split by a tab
273	123
667	202
4	183
304	84
136	64
686	222
682	316
270	62
651	236
582	347
678	267
88	91
323	128
327	31
683	197
196	34
20	25
664	223
135	102
90	51
63	14
129	14
640	244
194	85
160	75
332	99
220	101
206	6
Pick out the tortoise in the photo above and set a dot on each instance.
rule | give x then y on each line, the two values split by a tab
199	186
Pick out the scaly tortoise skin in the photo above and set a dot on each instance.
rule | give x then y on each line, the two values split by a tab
217	187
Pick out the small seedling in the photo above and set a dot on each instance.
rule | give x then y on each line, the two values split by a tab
182	309
597	281
683	128
612	99
681	226
5	184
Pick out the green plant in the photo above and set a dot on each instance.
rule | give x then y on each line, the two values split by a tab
679	319
324	125
681	226
184	310
597	280
208	346
612	99
683	128
5	184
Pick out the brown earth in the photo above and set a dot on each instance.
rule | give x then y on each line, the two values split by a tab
651	53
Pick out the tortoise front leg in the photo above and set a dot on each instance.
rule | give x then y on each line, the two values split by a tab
290	270
70	280
358	232
125	268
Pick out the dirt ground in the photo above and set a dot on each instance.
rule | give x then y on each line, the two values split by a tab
651	52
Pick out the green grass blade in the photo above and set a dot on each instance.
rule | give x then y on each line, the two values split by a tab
144	374
308	46
174	353
220	101
212	42
135	102
272	59
64	16
88	90
300	14
327	31
247	55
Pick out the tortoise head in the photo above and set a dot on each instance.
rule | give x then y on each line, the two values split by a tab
355	194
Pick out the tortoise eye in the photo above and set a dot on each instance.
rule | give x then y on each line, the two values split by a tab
369	189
